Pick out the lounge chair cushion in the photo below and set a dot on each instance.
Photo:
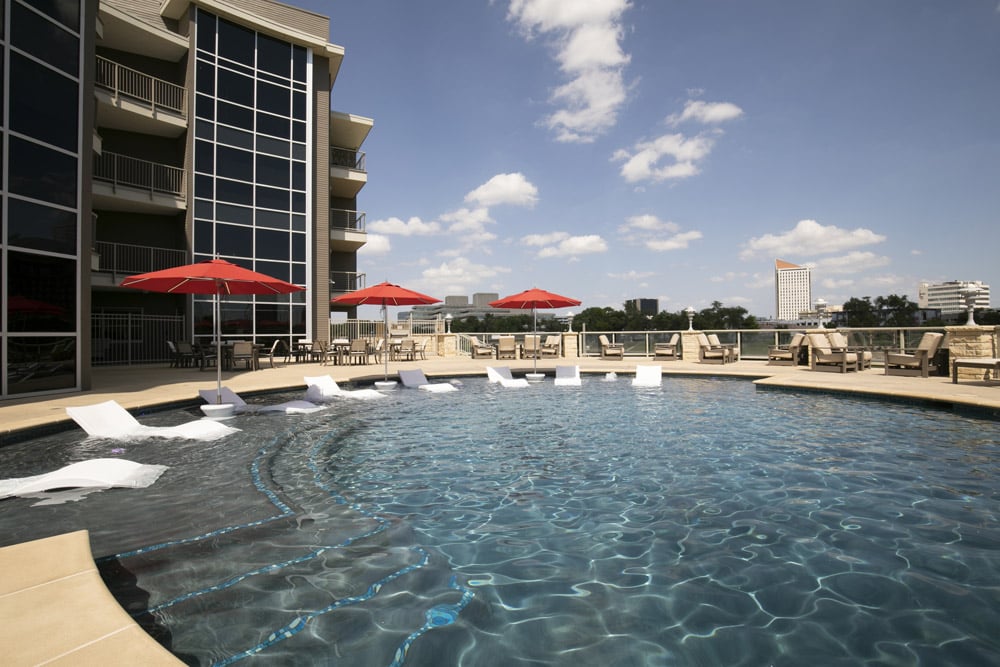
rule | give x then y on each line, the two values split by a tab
110	420
325	388
92	474
416	378
239	405
502	376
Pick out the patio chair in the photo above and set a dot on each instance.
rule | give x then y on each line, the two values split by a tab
611	350
568	376
822	357
838	341
177	359
278	349
243	353
734	349
416	379
111	420
506	347
324	388
919	362
407	350
358	351
480	350
239	405
786	355
532	347
667	351
502	376
648	376
712	354
420	350
552	347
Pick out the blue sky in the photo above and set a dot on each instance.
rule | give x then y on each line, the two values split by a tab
673	149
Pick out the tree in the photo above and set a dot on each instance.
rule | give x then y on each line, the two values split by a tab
896	311
860	313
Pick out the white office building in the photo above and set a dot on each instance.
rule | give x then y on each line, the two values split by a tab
792	290
949	297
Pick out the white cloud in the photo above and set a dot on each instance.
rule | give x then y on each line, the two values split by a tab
683	154
675	242
708	113
632	275
574	246
830	283
809	238
505	189
587	38
458	276
375	244
412	227
851	263
648	223
544	239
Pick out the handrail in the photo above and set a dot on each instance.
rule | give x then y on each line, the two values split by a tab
346	281
141	174
346	219
125	258
126	82
345	157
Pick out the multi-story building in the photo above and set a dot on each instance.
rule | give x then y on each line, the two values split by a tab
145	134
792	290
949	297
650	307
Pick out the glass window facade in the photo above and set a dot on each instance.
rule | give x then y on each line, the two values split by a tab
251	118
40	130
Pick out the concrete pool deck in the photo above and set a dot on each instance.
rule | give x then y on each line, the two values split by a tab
40	578
148	387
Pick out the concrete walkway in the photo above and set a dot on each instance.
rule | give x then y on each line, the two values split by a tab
139	388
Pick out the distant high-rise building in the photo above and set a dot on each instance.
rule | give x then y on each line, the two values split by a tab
792	290
948	297
646	306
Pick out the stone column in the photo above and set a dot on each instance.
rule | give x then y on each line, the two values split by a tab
570	344
970	342
689	345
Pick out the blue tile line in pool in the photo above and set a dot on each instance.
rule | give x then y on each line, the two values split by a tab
438	616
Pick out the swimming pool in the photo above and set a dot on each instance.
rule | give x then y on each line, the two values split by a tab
701	522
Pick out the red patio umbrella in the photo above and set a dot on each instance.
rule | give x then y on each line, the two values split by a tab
534	298
384	294
212	276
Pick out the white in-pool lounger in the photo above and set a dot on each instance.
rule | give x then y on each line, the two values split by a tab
568	376
288	407
110	420
502	375
325	388
92	474
416	378
648	376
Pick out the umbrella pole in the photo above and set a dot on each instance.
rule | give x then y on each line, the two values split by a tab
218	350
385	341
534	326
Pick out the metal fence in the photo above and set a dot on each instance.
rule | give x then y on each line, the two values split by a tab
131	339
128	258
155	93
152	177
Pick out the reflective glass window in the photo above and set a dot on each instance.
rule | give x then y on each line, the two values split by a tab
234	240
40	363
45	40
41	293
273	319
272	244
236	318
299	223
274	56
230	114
66	12
298	274
203	237
273	125
204	129
49	111
204	156
298	63
299	247
205	74
235	42
206	31
298	176
42	173
31	225
272	171
298	131
234	163
272	219
272	146
205	107
235	87
234	192
274	99
204	208
278	270
299	106
234	137
299	202
239	214
272	198
299	151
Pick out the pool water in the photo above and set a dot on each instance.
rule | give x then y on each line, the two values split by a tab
702	522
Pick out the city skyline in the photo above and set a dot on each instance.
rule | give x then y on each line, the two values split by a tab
615	150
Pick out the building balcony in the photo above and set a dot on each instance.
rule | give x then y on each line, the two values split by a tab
113	261
347	230
136	102
346	281
347	172
123	183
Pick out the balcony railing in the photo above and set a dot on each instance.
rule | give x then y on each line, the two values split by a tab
344	157
124	258
143	88
344	219
346	281
121	170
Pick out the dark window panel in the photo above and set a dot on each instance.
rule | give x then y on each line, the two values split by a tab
233	240
236	42
204	208
299	106
272	146
204	156
298	131
234	163
299	202
298	176
204	129
237	116
234	192
37	363
272	198
234	137
272	171
298	63
272	219
298	275
242	215
41	293
273	125
299	223
205	75
205	107
272	245
299	247
235	87
279	270
206	31
45	106
274	56
273	320
274	99
42	173
298	151
45	40
204	241
31	225
66	12
204	186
